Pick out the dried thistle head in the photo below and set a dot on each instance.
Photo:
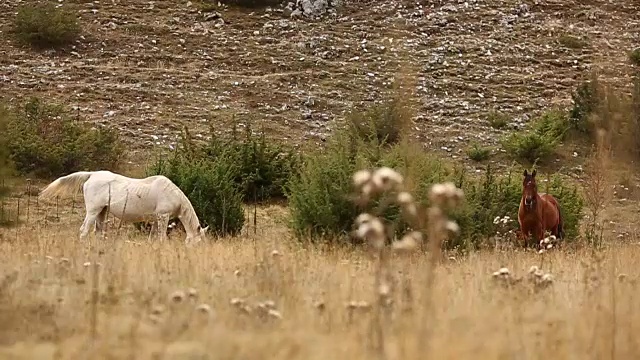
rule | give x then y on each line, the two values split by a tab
361	178
385	179
446	194
177	297
409	242
371	230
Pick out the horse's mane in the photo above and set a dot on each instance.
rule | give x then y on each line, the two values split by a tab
188	212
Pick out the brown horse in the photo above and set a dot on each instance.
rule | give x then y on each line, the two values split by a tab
538	212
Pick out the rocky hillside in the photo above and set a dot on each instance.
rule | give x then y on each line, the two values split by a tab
149	67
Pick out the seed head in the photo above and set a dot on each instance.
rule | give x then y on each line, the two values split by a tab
237	302
386	178
177	296
363	219
204	309
548	278
275	253
452	227
192	293
373	229
273	313
533	269
408	242
384	289
361	177
404	198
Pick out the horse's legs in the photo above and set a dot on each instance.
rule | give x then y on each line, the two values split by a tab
100	218
89	221
154	228
163	223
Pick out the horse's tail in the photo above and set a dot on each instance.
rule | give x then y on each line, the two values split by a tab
65	185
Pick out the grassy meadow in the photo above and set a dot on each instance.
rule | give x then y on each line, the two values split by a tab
263	296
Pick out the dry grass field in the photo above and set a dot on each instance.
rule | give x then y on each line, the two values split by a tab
265	296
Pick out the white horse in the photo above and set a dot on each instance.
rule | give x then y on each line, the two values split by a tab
155	199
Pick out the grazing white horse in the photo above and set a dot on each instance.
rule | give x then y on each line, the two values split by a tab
155	199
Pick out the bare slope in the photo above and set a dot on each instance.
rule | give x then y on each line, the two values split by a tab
147	67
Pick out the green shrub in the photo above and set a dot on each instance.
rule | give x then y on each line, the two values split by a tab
318	194
263	167
540	141
478	153
634	56
384	123
585	101
497	120
209	185
572	42
46	25
44	140
5	155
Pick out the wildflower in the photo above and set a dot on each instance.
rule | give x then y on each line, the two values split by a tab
496	220
504	271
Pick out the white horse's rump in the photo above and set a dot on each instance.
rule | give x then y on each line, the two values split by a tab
155	199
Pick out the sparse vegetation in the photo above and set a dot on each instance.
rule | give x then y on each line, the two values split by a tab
251	4
634	56
540	140
476	152
572	42
497	120
44	140
384	123
46	25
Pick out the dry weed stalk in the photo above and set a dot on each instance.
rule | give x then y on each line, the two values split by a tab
386	183
598	187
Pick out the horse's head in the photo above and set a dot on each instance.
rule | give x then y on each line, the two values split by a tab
529	189
199	236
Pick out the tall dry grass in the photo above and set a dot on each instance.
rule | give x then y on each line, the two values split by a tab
169	301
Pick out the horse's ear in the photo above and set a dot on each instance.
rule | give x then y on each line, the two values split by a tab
525	172
204	229
533	173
